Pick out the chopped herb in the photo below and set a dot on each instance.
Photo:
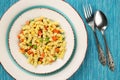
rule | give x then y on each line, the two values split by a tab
63	38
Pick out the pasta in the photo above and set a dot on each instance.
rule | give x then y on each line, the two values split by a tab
42	41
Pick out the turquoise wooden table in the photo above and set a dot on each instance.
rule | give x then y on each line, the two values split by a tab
90	69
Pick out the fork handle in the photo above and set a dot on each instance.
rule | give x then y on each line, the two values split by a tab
101	56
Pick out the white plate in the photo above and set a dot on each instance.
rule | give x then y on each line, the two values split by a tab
75	33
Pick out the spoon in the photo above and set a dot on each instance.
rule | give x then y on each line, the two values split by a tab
101	23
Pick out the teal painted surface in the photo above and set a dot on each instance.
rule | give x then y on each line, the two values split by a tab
90	69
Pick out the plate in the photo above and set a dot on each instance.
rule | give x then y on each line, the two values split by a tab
76	37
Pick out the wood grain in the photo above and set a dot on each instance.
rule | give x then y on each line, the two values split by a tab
0	62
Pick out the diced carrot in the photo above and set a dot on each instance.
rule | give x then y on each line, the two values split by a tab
57	50
42	55
54	38
18	36
29	48
21	40
18	43
22	50
46	27
51	61
27	22
30	52
40	59
56	31
21	32
39	32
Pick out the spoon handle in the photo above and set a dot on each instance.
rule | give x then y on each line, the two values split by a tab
109	56
101	56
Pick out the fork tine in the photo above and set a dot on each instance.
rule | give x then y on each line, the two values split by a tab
85	13
90	9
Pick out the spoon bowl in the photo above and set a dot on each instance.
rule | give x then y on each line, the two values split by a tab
100	20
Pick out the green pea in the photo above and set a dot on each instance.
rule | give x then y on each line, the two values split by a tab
55	57
47	39
30	44
35	46
41	39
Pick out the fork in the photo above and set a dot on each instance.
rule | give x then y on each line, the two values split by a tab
89	16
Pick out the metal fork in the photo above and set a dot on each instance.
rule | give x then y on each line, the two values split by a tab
89	16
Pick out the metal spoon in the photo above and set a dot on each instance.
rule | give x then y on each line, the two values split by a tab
101	23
